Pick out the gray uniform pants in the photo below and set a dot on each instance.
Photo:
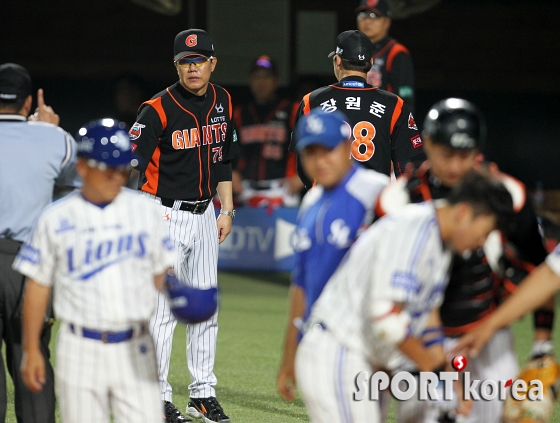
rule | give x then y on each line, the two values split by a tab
30	407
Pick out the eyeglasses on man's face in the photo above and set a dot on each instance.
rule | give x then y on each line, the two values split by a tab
198	61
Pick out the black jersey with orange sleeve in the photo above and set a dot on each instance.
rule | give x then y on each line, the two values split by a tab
264	137
185	143
393	70
383	129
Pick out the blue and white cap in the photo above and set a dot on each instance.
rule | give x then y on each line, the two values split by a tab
322	128
106	143
189	304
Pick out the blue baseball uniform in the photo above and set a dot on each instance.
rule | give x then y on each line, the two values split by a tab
329	221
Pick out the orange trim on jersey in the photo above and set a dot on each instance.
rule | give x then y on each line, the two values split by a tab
293	116
384	49
291	168
156	104
461	330
229	102
396	114
509	286
398	48
379	210
306	104
152	173
516	207
200	132
424	187
208	148
354	89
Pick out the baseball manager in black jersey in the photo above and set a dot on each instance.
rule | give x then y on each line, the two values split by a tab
185	139
383	129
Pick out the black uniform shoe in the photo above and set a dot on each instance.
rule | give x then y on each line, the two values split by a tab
208	409
173	415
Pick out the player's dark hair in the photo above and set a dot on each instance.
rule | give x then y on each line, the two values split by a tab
486	195
13	106
362	67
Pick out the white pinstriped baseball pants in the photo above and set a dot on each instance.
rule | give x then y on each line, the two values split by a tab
94	379
326	372
196	237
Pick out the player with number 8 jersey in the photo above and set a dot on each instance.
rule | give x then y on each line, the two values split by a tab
383	128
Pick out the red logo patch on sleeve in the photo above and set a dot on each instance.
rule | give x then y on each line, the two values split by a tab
134	146
412	122
136	131
416	141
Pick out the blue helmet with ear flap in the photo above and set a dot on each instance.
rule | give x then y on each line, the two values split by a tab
106	143
188	304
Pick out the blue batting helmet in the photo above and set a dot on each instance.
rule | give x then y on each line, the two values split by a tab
188	304
106	143
322	128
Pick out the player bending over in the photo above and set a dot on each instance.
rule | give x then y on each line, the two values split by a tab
453	135
374	309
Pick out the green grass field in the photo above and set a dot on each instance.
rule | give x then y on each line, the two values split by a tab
252	321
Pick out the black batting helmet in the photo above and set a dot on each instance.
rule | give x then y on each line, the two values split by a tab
456	123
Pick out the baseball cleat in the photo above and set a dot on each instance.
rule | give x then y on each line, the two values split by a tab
173	415
208	409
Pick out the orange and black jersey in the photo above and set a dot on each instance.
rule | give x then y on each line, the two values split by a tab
185	143
393	70
264	137
383	128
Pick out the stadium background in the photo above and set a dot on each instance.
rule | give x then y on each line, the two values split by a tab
502	55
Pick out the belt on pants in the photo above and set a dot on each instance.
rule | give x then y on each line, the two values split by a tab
108	337
195	207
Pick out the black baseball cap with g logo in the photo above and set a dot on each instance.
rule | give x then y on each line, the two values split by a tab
192	41
353	45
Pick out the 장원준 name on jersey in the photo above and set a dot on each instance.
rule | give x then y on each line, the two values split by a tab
190	138
93	258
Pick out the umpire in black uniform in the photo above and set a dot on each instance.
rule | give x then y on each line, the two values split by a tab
35	157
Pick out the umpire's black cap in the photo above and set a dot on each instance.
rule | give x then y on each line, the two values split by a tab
193	41
353	45
456	123
15	83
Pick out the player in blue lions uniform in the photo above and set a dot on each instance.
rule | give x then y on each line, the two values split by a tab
330	218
